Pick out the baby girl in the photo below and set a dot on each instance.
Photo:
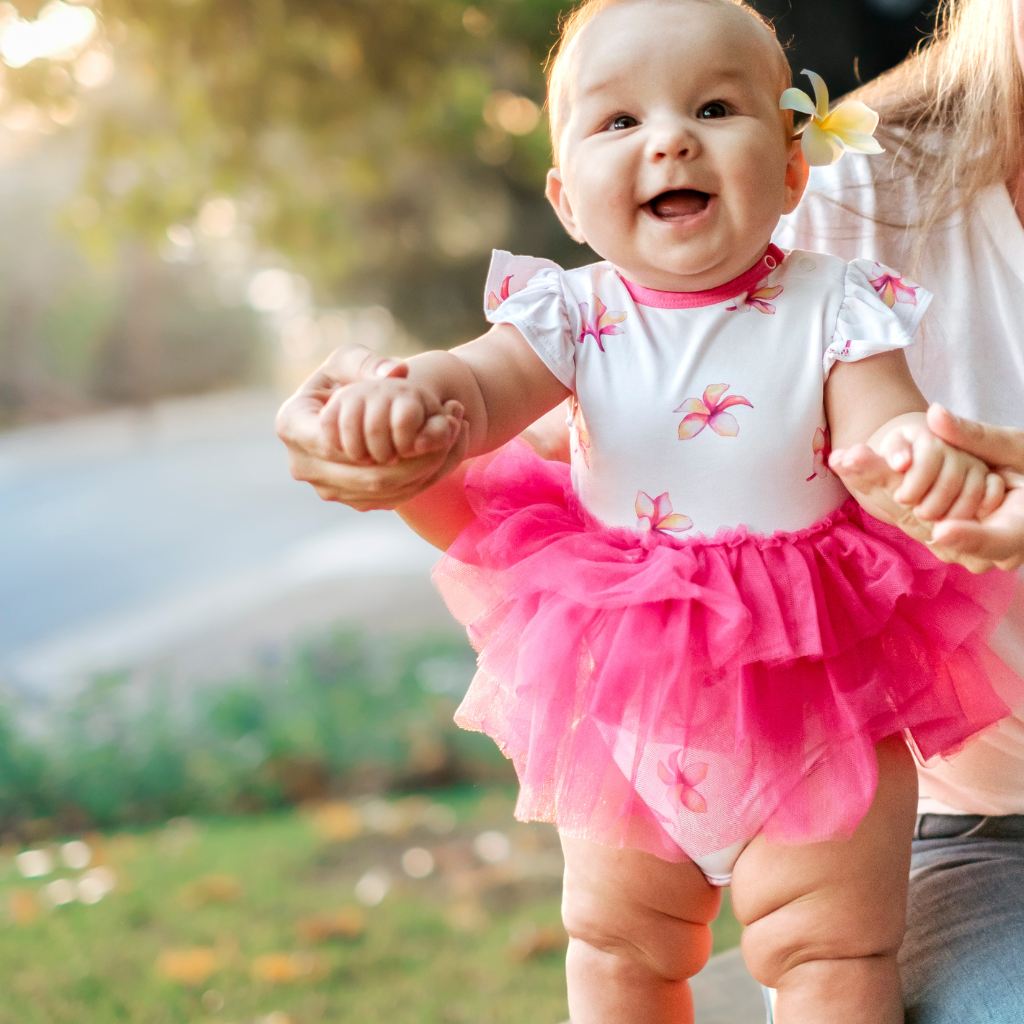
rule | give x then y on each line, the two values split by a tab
705	661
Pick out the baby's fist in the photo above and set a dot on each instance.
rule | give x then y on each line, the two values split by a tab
380	421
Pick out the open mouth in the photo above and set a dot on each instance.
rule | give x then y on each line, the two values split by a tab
679	204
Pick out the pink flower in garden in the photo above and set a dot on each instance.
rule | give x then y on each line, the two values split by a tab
683	783
757	300
657	514
494	301
605	321
822	448
891	288
710	412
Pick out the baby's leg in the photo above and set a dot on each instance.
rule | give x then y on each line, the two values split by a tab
825	921
638	929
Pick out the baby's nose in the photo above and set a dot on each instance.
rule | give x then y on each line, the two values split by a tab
672	141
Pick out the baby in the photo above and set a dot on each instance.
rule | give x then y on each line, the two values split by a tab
702	658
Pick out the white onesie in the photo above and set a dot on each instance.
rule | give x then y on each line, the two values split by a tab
698	410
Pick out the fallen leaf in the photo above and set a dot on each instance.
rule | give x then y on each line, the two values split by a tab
188	966
531	941
211	889
346	924
336	821
288	968
467	916
23	906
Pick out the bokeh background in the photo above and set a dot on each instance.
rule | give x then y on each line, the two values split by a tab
230	788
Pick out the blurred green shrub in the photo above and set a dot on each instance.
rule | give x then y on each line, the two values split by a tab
348	714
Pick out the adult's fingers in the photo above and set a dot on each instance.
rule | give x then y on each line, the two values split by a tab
352	363
297	422
1000	538
998	446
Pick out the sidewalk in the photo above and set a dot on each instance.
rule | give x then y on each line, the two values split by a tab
724	993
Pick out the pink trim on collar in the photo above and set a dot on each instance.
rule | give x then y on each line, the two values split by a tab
690	300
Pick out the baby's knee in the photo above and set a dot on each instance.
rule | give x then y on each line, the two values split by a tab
670	947
821	927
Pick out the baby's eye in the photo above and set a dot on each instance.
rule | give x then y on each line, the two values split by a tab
713	110
622	122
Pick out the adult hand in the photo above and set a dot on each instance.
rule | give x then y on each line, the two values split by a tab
306	426
868	477
999	538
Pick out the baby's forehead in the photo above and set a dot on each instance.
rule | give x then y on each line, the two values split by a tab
706	40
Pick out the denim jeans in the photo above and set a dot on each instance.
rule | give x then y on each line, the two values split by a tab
962	960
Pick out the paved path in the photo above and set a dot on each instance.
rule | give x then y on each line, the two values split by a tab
178	533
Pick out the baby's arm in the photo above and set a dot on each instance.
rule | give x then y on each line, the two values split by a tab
875	402
497	383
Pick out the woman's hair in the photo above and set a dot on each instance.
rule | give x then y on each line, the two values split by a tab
953	112
560	60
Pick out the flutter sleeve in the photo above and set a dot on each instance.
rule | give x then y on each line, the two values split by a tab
529	294
881	311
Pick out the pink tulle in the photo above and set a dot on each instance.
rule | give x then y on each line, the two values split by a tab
684	695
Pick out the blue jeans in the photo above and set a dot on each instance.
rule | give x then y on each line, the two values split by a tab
962	960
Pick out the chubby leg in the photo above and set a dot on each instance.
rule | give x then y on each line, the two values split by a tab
638	929
825	921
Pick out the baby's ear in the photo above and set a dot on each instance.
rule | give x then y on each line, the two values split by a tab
797	173
559	199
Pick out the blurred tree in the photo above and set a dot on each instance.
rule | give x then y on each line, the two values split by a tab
384	147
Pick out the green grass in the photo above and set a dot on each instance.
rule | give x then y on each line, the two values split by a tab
438	950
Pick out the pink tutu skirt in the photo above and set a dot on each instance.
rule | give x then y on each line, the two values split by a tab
682	695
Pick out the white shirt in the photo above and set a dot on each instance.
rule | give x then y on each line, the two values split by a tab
698	411
971	358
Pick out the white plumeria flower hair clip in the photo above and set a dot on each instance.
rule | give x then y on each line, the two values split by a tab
850	127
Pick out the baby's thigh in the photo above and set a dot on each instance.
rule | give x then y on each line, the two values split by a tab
638	906
832	900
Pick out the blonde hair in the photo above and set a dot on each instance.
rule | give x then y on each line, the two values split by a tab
558	63
953	112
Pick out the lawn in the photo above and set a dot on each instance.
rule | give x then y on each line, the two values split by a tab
427	910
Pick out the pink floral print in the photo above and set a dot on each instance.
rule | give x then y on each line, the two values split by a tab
582	436
683	783
494	301
656	514
758	300
710	412
892	288
605	321
822	448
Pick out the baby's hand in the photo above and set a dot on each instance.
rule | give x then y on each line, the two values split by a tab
939	481
381	421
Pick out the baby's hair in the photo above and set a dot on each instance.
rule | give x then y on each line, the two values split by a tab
572	25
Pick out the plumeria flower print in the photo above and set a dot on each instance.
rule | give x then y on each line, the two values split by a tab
892	288
710	412
756	300
683	783
656	514
850	127
822	448
582	436
605	321
494	301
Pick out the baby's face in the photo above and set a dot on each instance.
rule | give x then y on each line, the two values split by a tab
674	162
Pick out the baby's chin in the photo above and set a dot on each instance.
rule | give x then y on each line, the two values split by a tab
696	264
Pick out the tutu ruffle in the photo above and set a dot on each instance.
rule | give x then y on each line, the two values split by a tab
681	695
